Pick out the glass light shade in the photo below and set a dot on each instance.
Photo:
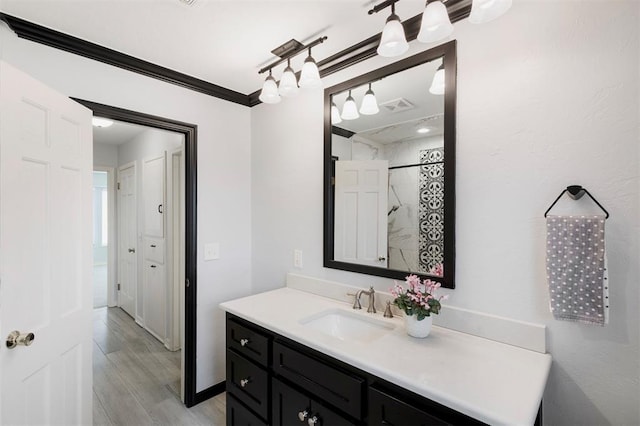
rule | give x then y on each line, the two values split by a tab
393	41
335	114
288	83
101	122
436	24
487	10
437	85
350	109
310	76
369	104
269	93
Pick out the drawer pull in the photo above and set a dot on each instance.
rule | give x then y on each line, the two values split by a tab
313	421
245	382
302	415
244	342
153	246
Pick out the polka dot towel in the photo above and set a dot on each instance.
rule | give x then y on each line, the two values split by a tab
576	269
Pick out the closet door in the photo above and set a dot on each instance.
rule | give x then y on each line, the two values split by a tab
153	182
155	299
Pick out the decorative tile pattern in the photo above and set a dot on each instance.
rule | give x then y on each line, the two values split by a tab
431	209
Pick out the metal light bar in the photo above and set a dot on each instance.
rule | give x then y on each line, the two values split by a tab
292	54
377	8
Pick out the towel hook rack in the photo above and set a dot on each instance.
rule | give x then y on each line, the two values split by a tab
576	192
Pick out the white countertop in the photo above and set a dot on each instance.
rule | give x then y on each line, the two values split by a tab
493	382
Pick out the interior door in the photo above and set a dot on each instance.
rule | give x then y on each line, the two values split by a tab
153	181
361	199
127	239
45	253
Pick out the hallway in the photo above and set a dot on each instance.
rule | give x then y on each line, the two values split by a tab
136	380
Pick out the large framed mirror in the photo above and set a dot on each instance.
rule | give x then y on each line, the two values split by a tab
389	169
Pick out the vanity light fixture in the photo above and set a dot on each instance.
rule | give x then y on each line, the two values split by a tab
335	114
487	10
369	104
101	122
310	75
436	24
393	41
350	109
288	86
269	93
437	84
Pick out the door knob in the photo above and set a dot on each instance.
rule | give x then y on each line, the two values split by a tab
15	338
132	250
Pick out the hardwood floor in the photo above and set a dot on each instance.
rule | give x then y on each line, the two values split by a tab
136	380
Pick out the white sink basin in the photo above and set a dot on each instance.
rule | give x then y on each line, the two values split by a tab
346	325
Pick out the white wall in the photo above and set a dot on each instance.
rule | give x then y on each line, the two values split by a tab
223	171
548	97
105	155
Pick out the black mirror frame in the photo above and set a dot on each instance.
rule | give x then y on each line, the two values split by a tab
446	51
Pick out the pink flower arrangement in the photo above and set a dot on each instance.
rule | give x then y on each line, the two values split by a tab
418	298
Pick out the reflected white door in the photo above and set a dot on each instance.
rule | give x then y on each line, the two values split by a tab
361	198
45	253
127	239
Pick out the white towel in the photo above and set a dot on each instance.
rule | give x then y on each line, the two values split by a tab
576	269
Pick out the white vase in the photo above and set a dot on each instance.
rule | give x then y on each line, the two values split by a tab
417	328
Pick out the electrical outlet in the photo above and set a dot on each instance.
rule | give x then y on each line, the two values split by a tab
297	258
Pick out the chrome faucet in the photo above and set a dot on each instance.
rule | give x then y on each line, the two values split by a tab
372	300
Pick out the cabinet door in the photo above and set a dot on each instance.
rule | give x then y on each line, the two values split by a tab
248	382
153	184
239	415
155	299
291	407
385	409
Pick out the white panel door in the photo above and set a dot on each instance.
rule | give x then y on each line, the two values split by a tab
127	239
361	194
155	299
45	253
153	184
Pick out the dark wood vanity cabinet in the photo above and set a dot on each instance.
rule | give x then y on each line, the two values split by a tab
274	380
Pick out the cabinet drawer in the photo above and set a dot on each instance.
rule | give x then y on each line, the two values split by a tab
329	383
386	409
293	407
154	249
239	415
248	342
248	382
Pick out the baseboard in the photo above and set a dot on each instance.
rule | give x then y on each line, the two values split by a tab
208	393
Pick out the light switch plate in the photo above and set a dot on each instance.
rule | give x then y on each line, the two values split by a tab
212	251
297	258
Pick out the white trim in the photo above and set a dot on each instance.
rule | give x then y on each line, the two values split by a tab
112	268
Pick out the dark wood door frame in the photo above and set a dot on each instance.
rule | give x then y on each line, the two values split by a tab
190	132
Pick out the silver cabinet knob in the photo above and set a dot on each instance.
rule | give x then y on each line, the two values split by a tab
244	382
313	421
16	338
244	342
302	415
382	259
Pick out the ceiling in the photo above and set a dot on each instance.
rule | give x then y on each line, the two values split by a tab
224	42
118	133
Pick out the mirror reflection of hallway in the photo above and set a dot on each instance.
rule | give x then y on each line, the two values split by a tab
100	238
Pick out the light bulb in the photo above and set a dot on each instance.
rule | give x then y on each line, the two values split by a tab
101	122
269	93
335	114
487	10
310	75
436	24
393	41
350	109
437	84
288	83
369	104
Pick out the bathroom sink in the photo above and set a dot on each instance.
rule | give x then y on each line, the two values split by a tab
346	325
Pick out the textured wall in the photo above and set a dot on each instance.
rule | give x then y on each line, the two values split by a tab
548	97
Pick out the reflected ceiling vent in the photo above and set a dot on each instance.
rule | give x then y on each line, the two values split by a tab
188	2
396	105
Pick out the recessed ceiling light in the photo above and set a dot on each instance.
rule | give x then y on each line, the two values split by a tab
423	130
101	122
